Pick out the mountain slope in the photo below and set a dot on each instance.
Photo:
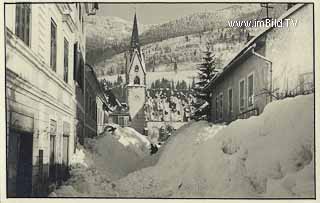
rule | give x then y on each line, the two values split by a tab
105	36
108	36
179	41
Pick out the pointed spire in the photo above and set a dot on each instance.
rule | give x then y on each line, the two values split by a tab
135	35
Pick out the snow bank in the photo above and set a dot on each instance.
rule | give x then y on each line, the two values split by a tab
266	156
103	160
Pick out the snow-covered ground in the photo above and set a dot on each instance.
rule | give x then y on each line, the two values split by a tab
271	155
266	156
103	160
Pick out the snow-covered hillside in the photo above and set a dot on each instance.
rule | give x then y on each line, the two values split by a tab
107	34
112	36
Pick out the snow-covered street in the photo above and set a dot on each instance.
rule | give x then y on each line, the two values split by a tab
271	155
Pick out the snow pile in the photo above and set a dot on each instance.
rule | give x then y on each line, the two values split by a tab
129	136
95	166
85	180
78	157
266	156
208	133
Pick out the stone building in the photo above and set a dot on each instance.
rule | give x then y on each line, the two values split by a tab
277	63
45	54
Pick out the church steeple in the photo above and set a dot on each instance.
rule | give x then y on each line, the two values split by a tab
135	36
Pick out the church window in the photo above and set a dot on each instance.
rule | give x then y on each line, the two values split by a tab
136	80
136	68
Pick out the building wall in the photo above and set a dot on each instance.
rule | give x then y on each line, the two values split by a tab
291	50
94	100
90	103
100	115
35	91
260	70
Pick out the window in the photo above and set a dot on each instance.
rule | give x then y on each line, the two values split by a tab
75	61
241	97
53	49
23	15
81	72
221	106
136	80
136	68
250	91
121	121
230	102
66	60
79	12
82	22
217	110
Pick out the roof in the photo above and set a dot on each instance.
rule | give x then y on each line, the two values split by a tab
100	93
135	44
250	45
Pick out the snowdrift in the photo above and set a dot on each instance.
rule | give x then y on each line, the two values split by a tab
271	155
103	160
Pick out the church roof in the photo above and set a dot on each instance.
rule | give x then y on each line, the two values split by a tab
135	43
135	52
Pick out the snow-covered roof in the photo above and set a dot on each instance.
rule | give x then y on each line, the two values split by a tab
251	44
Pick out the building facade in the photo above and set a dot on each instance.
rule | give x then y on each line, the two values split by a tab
95	104
41	43
277	63
136	81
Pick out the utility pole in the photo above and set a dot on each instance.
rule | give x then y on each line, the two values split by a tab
267	7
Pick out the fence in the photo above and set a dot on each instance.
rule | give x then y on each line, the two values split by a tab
244	115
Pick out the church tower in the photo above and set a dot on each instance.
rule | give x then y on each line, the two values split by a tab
136	81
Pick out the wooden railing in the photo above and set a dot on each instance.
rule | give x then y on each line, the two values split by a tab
244	115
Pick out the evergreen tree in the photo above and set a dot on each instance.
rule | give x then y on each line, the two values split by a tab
178	85
193	84
175	67
183	85
207	71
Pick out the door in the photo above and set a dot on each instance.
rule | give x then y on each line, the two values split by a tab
52	151
52	167
19	164
65	157
24	167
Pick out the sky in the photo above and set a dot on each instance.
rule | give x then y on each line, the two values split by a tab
156	13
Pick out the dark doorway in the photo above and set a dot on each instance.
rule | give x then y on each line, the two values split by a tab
52	151
20	164
24	170
65	157
52	167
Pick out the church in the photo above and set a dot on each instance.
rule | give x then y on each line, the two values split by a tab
135	72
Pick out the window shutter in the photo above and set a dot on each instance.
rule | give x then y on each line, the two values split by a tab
66	60
18	20
75	61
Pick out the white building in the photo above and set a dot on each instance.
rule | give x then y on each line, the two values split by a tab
41	43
